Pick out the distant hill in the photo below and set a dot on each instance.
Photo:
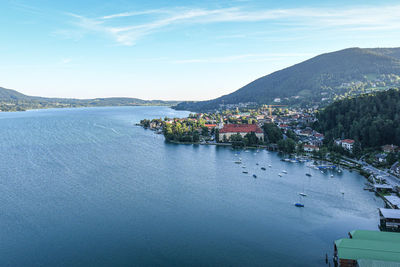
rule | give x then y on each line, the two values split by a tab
320	79
11	100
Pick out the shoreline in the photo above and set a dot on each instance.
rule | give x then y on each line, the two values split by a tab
105	106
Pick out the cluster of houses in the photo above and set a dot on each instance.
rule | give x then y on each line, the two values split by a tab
232	122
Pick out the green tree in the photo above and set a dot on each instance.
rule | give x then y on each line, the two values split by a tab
251	139
287	145
272	132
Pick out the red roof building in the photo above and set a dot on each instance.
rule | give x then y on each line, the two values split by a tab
346	144
390	148
241	128
310	148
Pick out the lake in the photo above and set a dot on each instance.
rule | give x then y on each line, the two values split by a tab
86	187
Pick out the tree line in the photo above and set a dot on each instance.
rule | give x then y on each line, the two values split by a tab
371	120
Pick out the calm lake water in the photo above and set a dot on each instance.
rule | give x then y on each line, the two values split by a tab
85	187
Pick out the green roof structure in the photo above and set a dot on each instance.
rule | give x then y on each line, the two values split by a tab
355	249
375	235
375	263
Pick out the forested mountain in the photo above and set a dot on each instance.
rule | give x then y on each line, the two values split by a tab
323	78
11	100
373	120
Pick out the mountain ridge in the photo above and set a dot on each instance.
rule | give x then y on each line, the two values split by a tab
307	79
12	100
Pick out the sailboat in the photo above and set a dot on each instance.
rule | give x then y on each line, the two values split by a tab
302	192
308	173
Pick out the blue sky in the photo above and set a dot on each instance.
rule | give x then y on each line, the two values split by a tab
182	50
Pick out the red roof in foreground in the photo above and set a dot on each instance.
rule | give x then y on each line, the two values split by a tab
349	141
241	128
210	125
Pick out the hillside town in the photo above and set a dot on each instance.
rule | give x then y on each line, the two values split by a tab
275	127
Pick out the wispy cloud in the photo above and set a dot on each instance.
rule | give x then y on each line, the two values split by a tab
126	29
135	13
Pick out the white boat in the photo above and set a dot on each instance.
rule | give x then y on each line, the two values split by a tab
331	175
270	166
284	171
303	194
280	174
